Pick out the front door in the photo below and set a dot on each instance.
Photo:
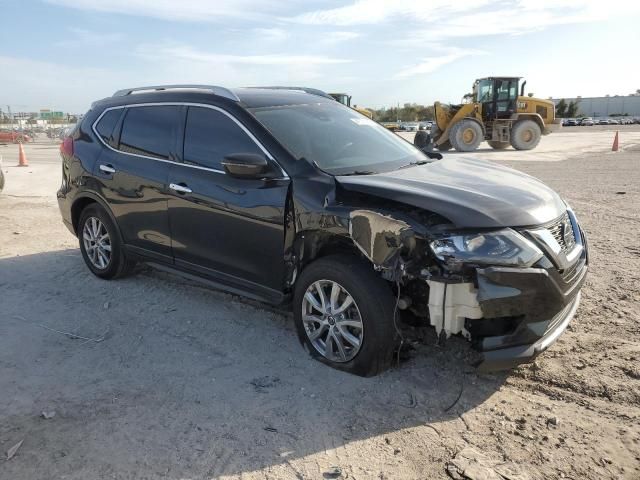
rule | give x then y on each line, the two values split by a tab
221	226
506	95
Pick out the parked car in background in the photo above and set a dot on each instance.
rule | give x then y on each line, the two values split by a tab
587	121
13	136
571	122
292	198
603	121
614	121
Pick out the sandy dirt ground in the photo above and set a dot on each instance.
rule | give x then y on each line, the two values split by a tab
158	377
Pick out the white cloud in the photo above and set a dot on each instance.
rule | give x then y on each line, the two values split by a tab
271	34
433	63
42	84
336	38
176	63
439	19
183	10
366	12
185	52
93	38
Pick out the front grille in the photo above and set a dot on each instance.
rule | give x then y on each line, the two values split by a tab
562	231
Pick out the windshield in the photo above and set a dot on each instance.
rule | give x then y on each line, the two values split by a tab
338	139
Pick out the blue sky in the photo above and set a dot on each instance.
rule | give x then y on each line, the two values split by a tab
64	54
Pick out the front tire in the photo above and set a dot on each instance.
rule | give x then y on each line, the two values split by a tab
343	312
466	135
100	244
525	135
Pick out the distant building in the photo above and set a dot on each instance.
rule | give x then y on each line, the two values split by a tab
605	106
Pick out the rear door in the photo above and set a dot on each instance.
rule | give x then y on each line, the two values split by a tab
223	226
133	172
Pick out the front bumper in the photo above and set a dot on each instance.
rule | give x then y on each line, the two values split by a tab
552	127
525	310
506	358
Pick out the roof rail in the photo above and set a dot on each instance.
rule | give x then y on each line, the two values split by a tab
312	91
220	91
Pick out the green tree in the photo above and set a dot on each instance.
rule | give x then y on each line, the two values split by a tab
409	112
572	109
561	109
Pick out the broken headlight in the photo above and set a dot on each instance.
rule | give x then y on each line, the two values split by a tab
504	247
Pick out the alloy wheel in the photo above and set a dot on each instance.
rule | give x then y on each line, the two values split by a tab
332	321
97	243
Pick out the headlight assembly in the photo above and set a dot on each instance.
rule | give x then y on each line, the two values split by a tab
504	247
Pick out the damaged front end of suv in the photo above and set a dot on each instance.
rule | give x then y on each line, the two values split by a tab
505	276
470	247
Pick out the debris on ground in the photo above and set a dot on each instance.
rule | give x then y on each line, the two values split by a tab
13	450
261	384
555	421
48	415
333	472
470	464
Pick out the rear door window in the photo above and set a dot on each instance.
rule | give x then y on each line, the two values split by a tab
150	131
211	135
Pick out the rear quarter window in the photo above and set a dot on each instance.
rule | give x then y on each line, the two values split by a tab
107	124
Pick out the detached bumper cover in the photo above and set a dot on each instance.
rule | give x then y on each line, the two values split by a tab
506	358
535	305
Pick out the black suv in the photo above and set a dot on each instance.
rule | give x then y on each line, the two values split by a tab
289	197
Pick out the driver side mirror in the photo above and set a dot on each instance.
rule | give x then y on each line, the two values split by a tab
246	165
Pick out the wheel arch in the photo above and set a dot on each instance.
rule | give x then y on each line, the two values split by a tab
530	116
311	245
83	201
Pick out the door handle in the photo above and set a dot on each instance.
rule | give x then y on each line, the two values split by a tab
107	169
179	188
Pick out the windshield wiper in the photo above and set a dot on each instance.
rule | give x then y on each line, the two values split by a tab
413	164
358	172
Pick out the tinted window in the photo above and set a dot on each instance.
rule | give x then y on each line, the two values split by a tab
149	131
107	123
210	136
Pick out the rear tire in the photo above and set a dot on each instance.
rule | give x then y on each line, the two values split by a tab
498	145
525	135
101	245
466	135
366	349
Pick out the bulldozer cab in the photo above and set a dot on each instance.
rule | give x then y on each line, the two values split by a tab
343	98
497	95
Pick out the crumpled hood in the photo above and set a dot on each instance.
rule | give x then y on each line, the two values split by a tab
471	193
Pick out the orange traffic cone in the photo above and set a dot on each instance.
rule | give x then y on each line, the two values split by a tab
614	148
22	158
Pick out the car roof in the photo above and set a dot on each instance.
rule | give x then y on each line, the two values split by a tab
257	97
248	97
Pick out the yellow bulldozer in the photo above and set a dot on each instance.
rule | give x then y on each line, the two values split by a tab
495	113
345	99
